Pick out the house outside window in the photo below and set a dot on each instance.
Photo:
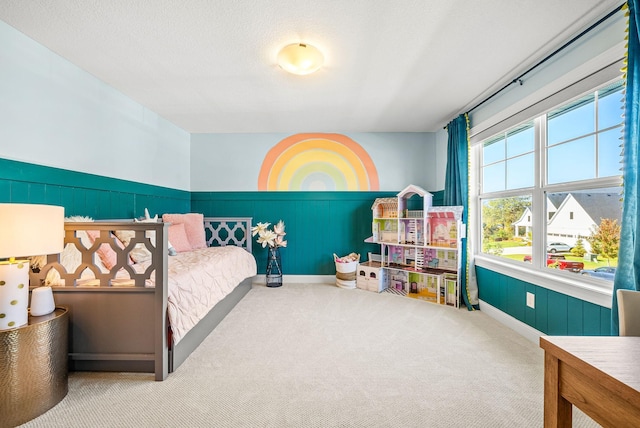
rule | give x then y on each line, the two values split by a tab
563	168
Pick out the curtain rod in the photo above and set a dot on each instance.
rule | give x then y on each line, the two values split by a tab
548	57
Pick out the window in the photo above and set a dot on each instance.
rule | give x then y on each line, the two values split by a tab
563	168
587	133
506	226
508	160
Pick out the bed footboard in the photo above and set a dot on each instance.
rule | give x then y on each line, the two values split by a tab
118	319
115	323
109	330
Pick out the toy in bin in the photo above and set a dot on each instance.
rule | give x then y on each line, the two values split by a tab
346	268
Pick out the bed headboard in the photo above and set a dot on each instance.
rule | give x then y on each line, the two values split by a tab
221	231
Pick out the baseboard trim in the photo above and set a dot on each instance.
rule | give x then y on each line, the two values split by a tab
299	279
519	327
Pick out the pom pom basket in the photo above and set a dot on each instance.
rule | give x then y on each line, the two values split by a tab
346	273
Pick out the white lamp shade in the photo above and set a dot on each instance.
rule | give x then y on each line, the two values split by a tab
31	230
300	58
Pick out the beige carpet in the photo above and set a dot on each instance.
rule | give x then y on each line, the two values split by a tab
323	356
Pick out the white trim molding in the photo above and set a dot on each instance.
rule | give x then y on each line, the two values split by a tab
299	279
519	327
572	284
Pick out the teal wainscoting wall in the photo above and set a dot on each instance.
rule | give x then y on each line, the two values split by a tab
554	314
318	224
86	194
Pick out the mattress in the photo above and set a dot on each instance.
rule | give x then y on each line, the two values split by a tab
199	279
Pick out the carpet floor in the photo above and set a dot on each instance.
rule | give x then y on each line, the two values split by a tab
315	355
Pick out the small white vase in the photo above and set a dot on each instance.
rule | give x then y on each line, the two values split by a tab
42	301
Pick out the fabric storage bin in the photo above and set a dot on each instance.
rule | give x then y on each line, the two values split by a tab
345	272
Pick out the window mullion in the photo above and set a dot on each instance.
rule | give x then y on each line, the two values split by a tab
538	203
597	132
474	238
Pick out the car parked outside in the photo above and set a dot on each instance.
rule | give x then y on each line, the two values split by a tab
559	261
551	258
555	247
604	272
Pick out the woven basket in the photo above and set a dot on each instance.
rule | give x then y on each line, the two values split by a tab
346	273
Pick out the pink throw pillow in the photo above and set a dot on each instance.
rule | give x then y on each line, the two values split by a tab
178	238
193	226
106	253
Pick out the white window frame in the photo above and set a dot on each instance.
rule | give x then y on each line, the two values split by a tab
579	286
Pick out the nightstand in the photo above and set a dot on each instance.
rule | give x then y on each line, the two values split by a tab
33	367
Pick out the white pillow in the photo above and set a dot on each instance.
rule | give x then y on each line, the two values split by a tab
71	257
139	253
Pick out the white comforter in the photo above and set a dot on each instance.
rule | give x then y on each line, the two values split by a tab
199	279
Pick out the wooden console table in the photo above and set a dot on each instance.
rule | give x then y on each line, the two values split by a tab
33	367
599	375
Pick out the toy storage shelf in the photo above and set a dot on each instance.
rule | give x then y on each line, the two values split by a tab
419	249
398	244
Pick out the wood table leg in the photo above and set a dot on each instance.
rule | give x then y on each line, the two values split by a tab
557	410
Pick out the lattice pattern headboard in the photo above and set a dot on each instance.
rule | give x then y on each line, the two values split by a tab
222	231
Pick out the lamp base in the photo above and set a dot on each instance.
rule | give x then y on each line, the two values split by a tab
14	293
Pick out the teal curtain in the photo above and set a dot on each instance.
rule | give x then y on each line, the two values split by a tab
456	192
628	271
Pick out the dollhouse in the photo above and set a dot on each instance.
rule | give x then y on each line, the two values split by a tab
419	248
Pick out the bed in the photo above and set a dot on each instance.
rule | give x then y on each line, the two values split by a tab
148	315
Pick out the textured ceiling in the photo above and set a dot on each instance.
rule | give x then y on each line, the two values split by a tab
391	65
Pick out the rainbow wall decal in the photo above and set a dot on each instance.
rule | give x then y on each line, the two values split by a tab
317	162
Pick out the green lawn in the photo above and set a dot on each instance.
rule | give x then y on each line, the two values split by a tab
510	244
587	264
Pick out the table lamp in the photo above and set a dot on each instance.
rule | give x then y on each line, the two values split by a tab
25	230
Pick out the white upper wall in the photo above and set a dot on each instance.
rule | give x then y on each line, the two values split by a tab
440	158
232	162
600	47
52	113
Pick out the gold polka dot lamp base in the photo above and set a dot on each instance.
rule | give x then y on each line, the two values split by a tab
33	367
14	293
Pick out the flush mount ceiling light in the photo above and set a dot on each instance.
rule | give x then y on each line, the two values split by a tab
300	58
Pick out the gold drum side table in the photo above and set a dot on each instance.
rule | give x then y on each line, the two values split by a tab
33	367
